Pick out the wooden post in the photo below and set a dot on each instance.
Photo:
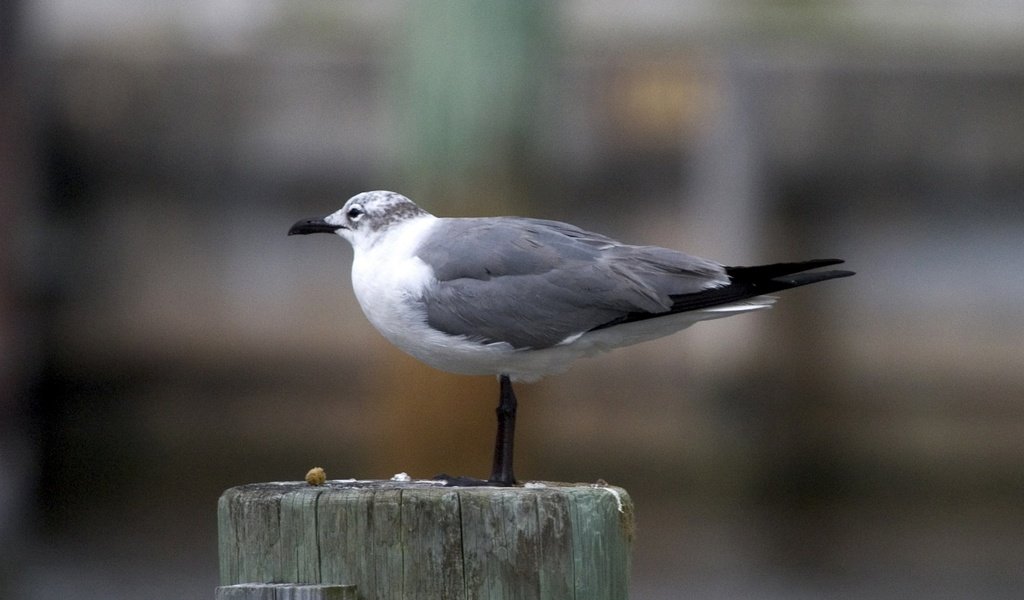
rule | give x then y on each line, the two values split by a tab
394	540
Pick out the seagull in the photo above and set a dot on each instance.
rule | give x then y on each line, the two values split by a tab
521	298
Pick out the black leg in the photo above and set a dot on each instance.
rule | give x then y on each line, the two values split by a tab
501	473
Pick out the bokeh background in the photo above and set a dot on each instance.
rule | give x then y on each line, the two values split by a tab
161	339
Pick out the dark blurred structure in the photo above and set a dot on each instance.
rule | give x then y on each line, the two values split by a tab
163	340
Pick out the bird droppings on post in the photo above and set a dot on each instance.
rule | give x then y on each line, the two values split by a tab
403	476
603	485
316	476
285	591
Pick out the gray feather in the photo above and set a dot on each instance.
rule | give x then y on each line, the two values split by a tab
585	279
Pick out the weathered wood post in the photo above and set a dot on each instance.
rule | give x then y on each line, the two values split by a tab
395	540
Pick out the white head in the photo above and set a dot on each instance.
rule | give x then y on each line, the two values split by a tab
364	219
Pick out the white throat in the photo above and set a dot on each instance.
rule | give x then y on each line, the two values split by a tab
388	278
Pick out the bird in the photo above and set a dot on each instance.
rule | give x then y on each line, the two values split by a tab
521	298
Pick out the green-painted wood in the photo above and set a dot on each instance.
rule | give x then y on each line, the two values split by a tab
351	513
299	533
250	517
597	554
388	550
396	540
432	530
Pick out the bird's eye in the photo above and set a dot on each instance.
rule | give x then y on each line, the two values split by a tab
355	213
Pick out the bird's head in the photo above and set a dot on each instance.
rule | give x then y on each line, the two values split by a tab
364	218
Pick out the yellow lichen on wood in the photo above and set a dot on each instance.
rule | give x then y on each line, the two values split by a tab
316	476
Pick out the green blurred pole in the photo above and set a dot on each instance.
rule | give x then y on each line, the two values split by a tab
468	83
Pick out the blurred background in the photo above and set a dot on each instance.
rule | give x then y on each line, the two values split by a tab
161	339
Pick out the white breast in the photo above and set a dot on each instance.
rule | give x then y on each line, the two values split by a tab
388	279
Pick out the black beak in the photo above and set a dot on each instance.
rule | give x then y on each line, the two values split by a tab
317	225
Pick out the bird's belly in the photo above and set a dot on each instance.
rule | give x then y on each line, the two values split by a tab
401	319
456	354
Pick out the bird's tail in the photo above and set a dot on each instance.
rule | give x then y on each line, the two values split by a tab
748	282
744	283
783	276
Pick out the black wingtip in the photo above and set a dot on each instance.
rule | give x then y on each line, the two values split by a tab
772	271
747	282
808	278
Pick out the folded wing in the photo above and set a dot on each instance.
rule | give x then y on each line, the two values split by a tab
534	283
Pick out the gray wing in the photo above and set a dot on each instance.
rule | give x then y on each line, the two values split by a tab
533	283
